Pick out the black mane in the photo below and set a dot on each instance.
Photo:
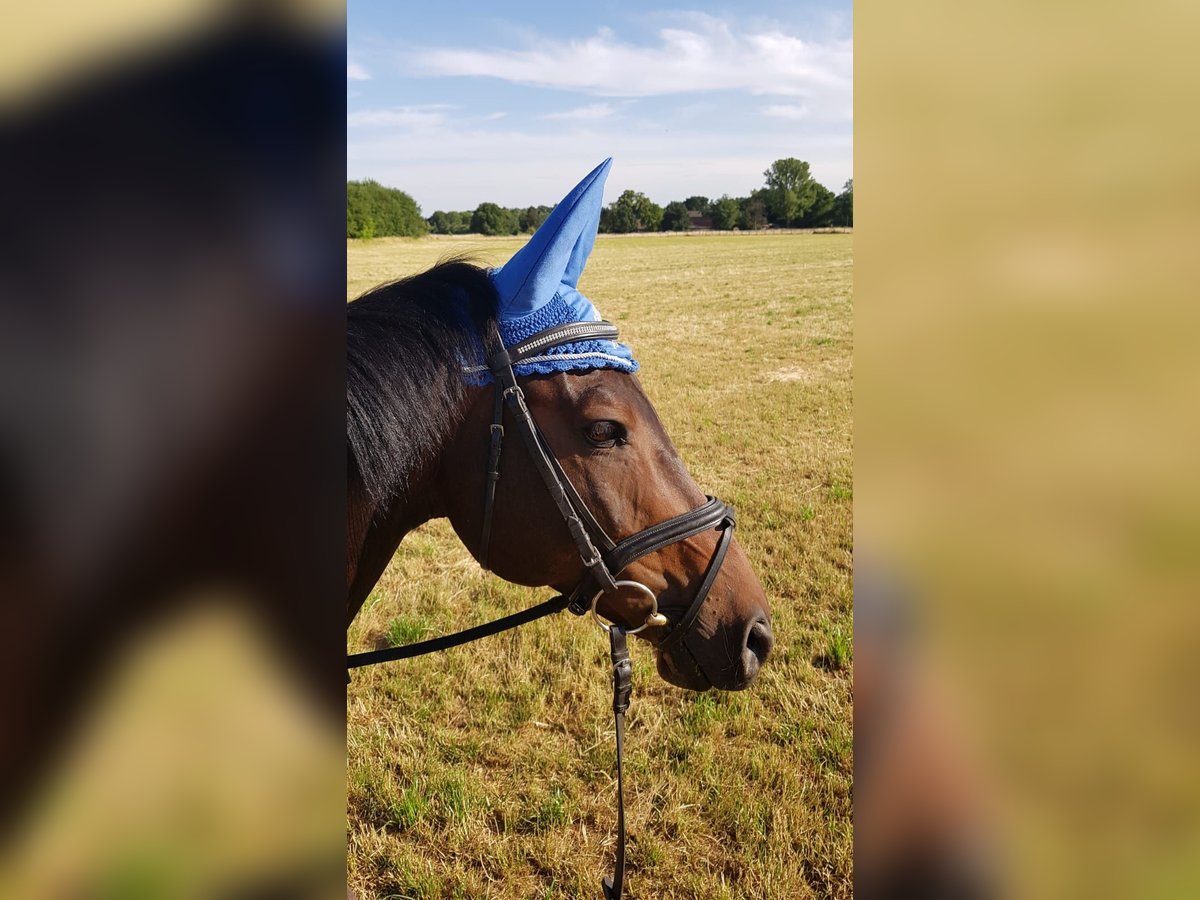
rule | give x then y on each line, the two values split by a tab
405	346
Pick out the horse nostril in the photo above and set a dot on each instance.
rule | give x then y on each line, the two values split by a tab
759	641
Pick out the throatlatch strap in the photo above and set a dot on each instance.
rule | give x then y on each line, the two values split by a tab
492	476
622	688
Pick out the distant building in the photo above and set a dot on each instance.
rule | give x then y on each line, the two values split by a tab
697	221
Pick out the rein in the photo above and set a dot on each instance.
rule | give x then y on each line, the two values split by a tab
603	557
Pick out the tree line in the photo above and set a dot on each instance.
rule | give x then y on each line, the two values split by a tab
789	198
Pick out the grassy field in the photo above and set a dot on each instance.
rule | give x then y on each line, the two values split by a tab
487	771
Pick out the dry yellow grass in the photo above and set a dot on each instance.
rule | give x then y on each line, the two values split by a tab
487	771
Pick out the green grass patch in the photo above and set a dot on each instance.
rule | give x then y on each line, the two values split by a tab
837	649
410	807
455	798
407	629
551	812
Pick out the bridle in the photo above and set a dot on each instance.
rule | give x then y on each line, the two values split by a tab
603	558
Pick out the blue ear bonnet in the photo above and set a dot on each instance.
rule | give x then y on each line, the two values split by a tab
536	289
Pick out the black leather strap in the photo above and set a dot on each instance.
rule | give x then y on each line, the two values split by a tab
514	398
712	514
683	627
622	689
598	534
445	642
492	477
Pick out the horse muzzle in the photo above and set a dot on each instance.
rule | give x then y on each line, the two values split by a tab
688	666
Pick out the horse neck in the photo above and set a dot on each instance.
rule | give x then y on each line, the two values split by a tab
375	530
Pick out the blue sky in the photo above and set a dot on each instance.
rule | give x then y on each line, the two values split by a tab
458	103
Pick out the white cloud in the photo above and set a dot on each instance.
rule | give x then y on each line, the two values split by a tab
788	96
413	117
355	72
785	111
709	54
584	113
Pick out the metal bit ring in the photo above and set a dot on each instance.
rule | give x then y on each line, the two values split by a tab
654	617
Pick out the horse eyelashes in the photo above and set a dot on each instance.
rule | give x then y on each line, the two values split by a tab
605	433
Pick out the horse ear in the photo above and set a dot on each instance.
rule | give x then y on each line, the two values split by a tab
556	254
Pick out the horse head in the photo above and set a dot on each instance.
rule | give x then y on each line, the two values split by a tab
594	421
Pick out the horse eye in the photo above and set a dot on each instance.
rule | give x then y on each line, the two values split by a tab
603	433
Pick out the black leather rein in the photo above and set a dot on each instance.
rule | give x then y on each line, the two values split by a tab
602	557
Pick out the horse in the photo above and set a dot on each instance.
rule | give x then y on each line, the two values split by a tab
425	425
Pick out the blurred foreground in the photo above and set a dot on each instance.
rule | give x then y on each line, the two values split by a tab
1027	431
171	649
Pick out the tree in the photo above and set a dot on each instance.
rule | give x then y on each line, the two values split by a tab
843	205
378	210
623	218
492	219
634	211
451	222
441	222
650	215
698	204
820	213
530	218
754	212
725	213
675	217
790	190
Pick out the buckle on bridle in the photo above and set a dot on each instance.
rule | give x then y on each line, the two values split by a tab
594	561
